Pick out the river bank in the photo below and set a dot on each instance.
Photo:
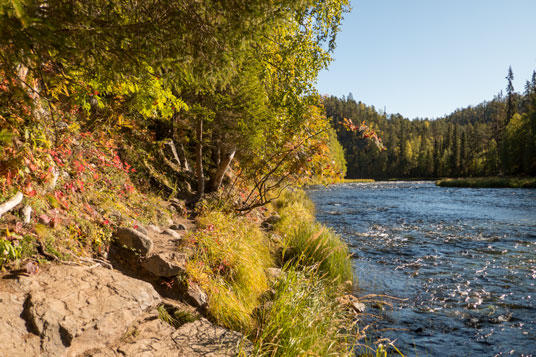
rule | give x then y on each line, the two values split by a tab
489	182
252	280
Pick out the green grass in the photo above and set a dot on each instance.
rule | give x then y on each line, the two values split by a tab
304	318
231	257
357	180
315	244
489	182
309	242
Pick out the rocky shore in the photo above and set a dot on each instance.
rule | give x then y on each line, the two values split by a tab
113	308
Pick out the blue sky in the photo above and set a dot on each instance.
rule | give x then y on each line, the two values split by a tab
425	58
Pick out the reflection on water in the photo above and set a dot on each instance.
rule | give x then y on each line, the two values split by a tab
465	259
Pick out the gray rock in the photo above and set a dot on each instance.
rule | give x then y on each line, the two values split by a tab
178	227
153	337
14	337
172	233
142	229
133	239
154	228
78	310
196	296
165	264
274	274
352	302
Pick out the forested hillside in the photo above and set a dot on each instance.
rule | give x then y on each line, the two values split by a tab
493	138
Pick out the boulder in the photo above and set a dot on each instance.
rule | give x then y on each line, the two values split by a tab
142	229
134	239
153	337
269	222
72	311
14	337
165	264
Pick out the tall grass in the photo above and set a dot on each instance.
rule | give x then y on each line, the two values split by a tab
315	244
311	243
304	318
231	256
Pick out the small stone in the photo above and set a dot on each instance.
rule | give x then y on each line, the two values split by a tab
165	265
154	228
178	227
274	274
197	296
269	222
134	239
142	229
172	233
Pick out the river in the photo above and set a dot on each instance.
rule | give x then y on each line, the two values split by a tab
464	260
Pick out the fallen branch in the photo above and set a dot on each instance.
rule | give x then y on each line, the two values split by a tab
10	204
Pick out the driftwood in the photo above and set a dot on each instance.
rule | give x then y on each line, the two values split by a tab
10	204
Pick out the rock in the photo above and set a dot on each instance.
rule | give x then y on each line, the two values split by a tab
27	214
172	233
274	274
352	302
74	311
14	337
154	337
134	239
154	228
196	296
178	227
165	264
142	229
269	222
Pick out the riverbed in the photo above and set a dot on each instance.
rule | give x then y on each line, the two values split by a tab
463	259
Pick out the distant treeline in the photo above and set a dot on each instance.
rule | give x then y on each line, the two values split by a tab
496	137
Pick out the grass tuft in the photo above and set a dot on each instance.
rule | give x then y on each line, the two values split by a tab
231	258
304	318
315	244
308	242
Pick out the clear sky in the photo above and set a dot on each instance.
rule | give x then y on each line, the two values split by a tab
425	58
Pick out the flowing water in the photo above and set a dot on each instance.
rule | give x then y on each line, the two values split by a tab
464	260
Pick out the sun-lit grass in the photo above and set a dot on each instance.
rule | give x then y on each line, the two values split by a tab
489	182
315	244
231	257
357	180
310	242
304	318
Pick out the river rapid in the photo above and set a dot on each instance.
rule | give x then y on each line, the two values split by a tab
464	260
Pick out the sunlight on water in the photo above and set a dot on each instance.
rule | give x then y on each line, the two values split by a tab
465	259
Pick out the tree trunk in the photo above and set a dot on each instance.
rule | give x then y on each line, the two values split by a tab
222	168
199	160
